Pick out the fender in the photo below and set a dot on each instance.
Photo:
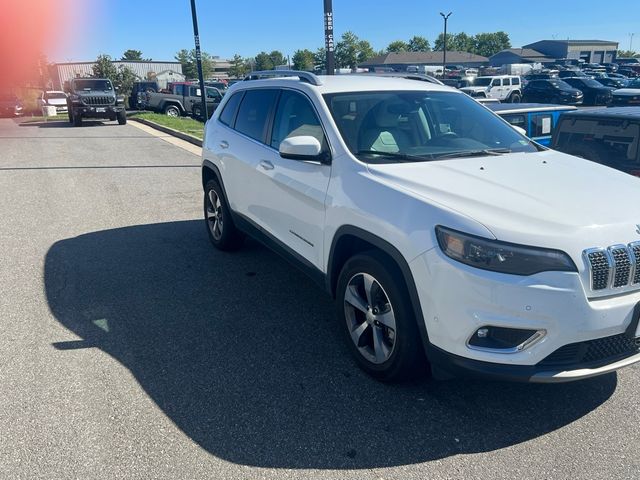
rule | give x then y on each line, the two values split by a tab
396	256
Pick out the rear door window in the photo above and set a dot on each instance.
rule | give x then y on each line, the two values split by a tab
254	112
541	124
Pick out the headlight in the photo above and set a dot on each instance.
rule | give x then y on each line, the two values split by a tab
501	257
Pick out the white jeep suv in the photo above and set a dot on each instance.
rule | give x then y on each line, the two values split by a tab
447	238
505	88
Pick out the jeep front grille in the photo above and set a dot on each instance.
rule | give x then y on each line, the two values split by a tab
97	100
613	267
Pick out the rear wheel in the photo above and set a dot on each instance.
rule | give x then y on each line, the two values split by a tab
515	98
77	120
197	113
375	310
222	232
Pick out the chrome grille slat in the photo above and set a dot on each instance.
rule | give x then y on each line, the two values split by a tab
617	266
621	265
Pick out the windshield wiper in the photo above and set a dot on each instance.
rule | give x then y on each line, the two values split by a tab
396	156
474	153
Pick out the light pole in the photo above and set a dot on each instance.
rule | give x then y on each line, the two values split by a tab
444	51
196	37
631	41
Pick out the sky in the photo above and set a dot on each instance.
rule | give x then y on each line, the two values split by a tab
159	28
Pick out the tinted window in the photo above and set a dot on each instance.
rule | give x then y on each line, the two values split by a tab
295	117
179	89
230	108
506	81
254	112
516	120
93	85
495	82
516	81
213	93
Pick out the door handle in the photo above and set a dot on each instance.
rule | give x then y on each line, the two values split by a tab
224	144
266	164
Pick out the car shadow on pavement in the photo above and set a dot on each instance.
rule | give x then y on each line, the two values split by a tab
243	353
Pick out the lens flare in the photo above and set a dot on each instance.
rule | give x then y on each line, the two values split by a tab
29	30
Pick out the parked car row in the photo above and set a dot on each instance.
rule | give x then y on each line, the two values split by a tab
180	99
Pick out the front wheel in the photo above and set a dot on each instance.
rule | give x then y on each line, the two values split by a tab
77	120
222	232
378	321
122	117
172	111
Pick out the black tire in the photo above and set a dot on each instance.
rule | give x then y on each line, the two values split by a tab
172	111
227	237
515	98
196	113
77	120
406	357
70	115
122	117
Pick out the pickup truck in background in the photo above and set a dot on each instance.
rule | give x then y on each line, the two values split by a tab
182	99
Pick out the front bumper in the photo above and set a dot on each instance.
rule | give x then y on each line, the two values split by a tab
98	111
457	300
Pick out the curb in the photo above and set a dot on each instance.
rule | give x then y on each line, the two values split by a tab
170	131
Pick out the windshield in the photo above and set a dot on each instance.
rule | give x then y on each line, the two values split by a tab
634	83
560	84
482	81
52	95
392	126
590	82
90	84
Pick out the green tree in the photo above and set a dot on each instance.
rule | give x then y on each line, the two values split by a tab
239	67
350	51
303	60
320	58
628	54
464	43
419	44
398	46
439	43
125	80
133	55
104	68
187	59
487	44
269	61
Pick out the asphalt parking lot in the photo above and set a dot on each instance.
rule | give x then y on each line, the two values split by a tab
131	349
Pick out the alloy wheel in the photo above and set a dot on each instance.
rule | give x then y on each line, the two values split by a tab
370	318
215	218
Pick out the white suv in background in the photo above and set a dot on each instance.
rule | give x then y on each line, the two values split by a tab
446	237
506	88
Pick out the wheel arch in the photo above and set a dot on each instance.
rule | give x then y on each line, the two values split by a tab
350	240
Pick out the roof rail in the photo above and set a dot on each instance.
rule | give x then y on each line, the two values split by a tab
303	76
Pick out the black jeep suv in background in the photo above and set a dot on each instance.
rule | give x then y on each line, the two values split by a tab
94	98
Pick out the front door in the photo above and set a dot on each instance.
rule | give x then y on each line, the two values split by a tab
292	207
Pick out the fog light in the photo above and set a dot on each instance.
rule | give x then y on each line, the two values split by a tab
503	340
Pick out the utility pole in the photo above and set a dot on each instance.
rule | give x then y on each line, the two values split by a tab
328	37
631	41
196	37
444	52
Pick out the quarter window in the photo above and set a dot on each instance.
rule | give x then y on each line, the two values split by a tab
541	125
516	120
231	107
515	81
295	117
254	112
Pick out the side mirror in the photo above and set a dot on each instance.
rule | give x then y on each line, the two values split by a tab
302	148
520	130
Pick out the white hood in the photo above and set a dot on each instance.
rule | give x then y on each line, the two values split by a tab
546	199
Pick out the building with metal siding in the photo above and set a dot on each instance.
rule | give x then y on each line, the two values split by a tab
519	55
400	60
591	51
61	72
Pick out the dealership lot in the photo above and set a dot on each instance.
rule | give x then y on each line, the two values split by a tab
132	349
